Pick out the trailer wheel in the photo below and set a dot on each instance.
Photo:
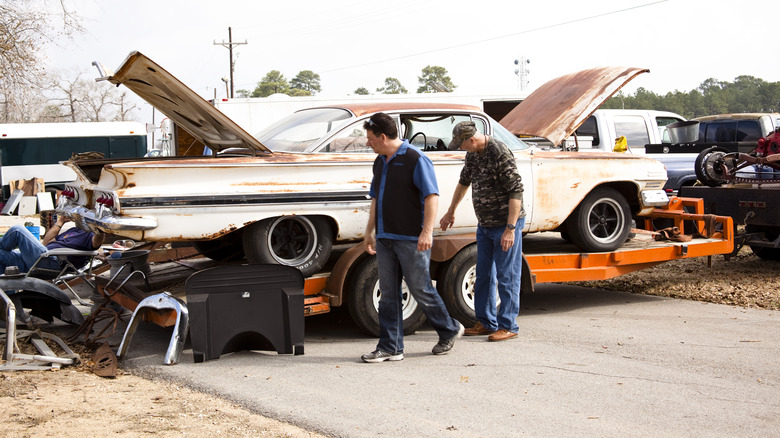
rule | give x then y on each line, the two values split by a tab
299	241
363	299
601	222
764	252
456	285
227	248
707	166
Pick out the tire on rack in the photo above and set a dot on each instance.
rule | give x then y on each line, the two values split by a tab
707	168
227	248
456	285
363	299
602	221
763	252
298	241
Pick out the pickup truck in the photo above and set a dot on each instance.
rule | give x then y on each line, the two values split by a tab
737	132
641	128
600	130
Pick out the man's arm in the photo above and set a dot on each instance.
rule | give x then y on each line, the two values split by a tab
369	240
425	241
54	230
97	239
508	237
449	217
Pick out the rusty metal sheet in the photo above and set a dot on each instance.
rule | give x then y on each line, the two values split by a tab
182	105
557	108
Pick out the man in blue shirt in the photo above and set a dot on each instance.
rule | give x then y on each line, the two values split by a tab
404	203
18	247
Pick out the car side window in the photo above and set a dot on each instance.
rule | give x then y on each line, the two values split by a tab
662	123
633	128
433	132
748	130
721	132
588	128
350	140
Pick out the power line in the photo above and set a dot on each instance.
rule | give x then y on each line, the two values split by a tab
457	46
229	45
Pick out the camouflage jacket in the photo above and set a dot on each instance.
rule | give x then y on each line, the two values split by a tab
493	177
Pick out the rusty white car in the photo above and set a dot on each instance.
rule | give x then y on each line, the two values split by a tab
287	194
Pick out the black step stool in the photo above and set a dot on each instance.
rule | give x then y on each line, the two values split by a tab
245	307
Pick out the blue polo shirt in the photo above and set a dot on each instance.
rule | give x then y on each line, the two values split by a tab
400	186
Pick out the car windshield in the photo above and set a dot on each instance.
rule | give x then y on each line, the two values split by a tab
509	139
300	130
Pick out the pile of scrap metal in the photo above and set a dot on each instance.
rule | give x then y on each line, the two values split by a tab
44	299
14	359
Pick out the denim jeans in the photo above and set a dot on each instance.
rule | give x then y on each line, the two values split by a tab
29	249
397	260
498	270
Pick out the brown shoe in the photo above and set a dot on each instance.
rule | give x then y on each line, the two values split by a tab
502	335
478	330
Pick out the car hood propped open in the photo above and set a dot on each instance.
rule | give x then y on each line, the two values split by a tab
182	105
557	108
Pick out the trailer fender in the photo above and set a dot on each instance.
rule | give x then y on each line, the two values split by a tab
338	276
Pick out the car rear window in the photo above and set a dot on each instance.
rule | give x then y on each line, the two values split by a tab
730	131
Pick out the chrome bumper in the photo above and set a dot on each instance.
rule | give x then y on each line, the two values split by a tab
103	220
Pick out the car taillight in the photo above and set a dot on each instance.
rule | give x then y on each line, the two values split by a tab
105	200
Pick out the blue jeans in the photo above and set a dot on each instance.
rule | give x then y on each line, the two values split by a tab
28	252
498	270
397	260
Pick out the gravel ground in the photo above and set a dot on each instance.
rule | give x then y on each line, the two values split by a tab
744	280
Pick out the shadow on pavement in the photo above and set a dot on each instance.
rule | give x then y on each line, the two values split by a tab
559	298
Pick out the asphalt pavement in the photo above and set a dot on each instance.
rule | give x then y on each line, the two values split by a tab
587	363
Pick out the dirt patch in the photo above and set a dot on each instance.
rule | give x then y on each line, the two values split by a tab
74	400
745	280
71	402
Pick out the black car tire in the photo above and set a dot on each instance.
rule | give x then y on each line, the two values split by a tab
456	285
764	252
363	300
299	241
601	222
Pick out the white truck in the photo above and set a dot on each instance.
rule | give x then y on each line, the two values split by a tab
599	132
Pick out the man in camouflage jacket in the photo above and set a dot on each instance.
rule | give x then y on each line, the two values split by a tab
497	195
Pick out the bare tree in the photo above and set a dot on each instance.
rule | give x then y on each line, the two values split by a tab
126	108
70	95
83	100
26	26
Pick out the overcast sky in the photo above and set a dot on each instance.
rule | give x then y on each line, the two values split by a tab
352	43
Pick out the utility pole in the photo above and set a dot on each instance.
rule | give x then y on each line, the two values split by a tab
229	45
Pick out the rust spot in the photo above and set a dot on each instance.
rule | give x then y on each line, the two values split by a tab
559	107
